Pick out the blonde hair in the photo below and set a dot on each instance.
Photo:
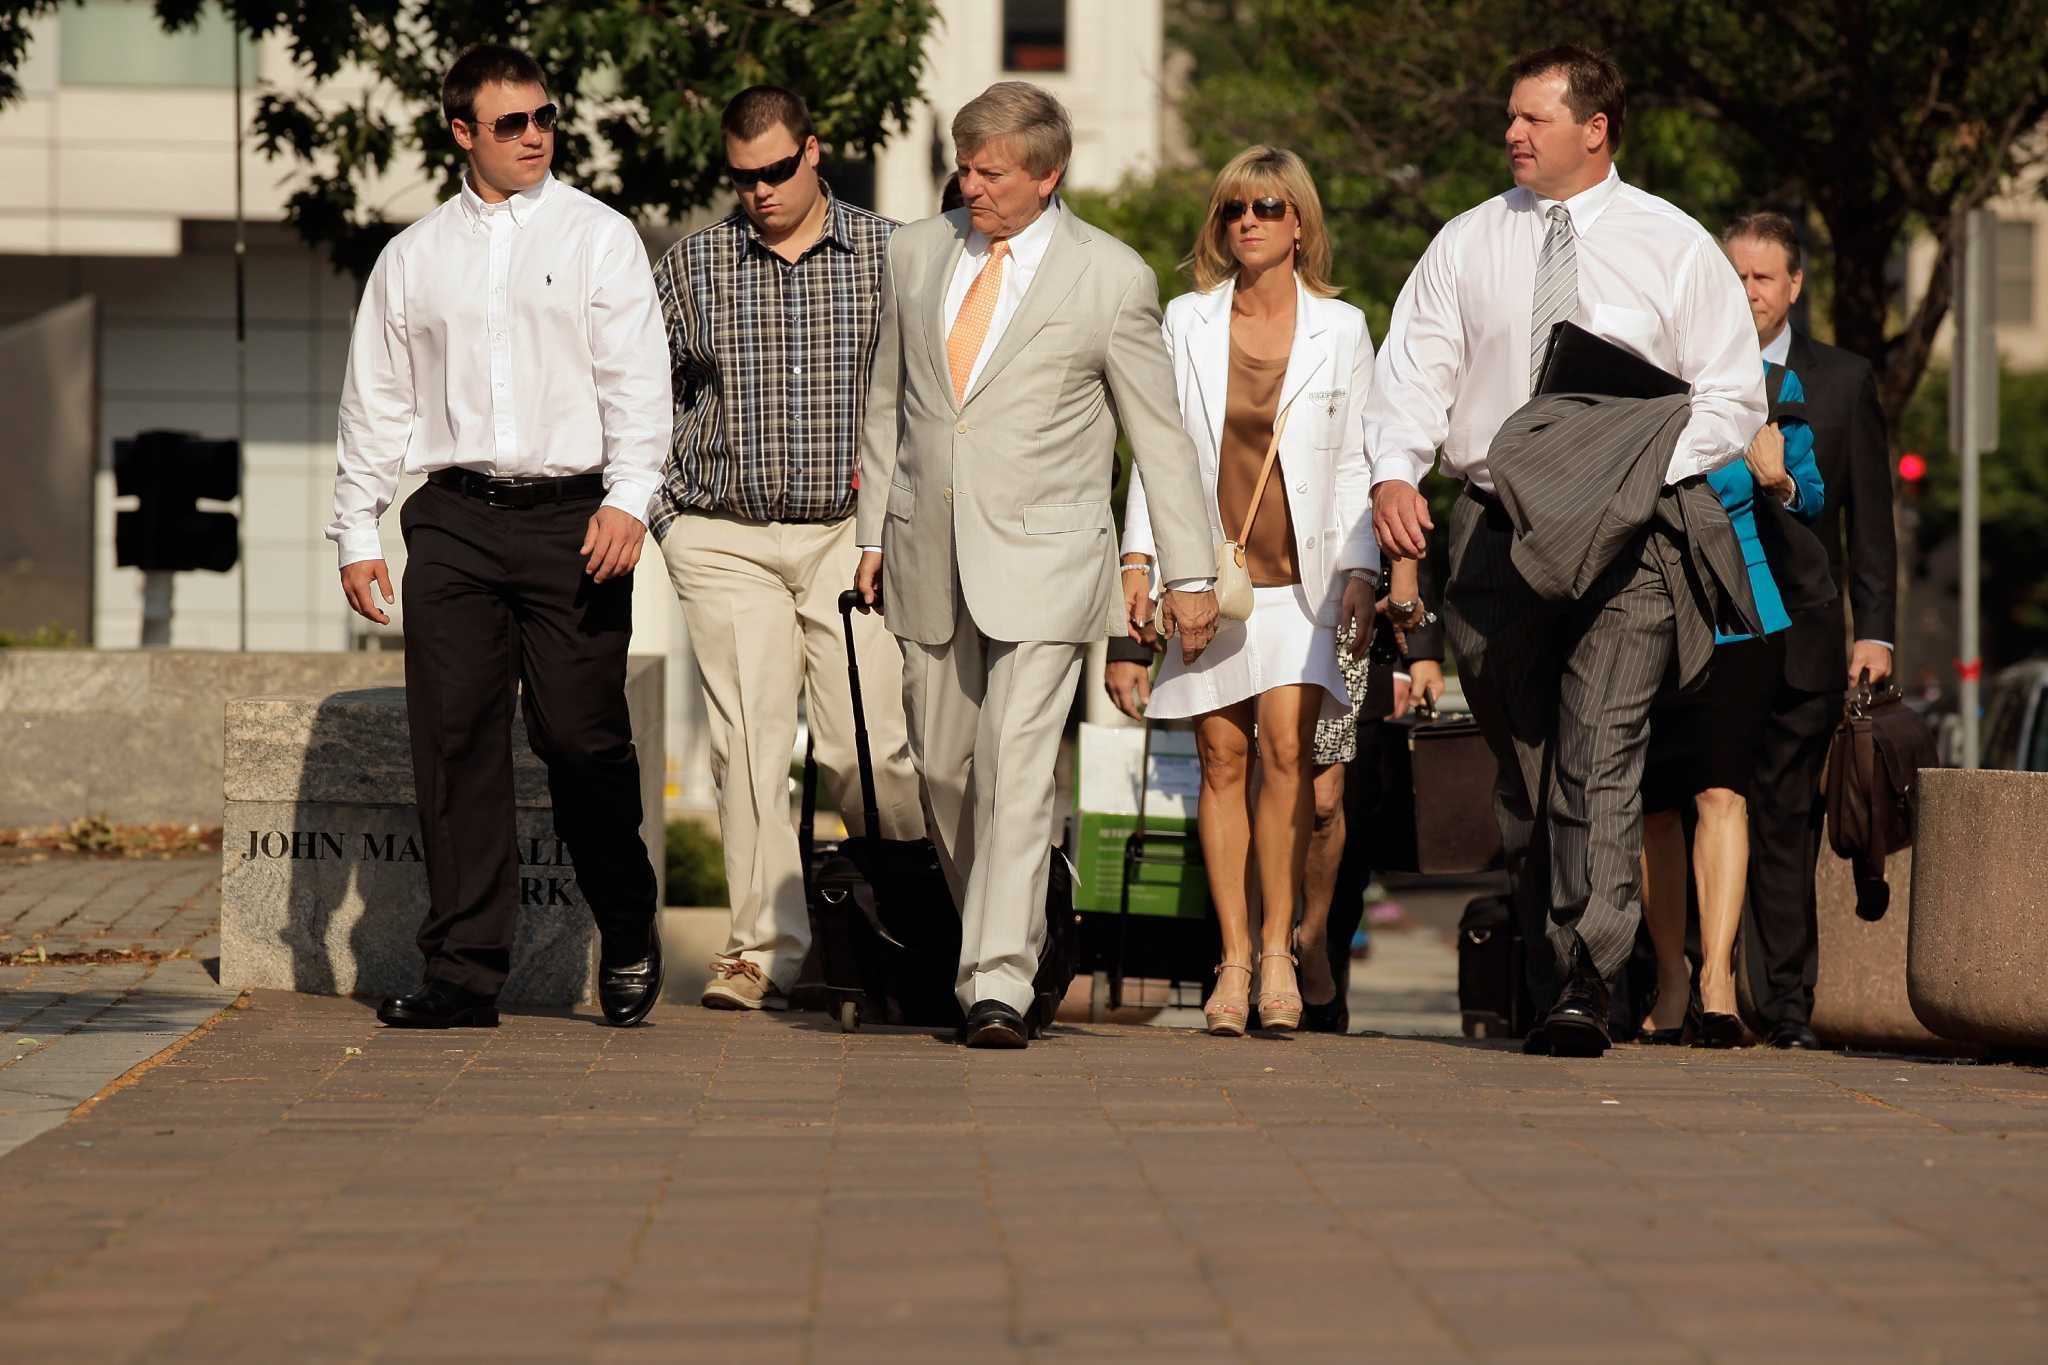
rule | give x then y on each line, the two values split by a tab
1254	172
1035	123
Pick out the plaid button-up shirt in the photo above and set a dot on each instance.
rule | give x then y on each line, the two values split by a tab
770	361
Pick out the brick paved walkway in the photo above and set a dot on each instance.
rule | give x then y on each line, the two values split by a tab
296	1184
69	1024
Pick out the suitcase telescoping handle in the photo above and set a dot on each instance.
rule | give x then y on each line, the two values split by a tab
870	808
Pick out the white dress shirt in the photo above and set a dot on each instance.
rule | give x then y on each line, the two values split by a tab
1455	362
520	340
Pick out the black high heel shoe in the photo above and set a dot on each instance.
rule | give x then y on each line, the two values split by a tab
1719	1031
1687	1030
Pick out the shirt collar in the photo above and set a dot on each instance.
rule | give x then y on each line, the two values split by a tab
1027	248
1778	350
836	229
1587	205
522	206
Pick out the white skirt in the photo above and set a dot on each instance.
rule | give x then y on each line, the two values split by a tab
1280	645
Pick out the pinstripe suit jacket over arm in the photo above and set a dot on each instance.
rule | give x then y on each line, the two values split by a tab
1581	476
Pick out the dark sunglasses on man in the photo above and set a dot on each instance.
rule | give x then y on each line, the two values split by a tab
1266	210
774	173
506	127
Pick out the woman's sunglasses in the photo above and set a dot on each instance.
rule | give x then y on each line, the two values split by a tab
1267	210
505	127
774	173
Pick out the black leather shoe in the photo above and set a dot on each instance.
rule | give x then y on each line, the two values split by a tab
437	1004
1577	1024
991	1023
628	991
1795	1036
1536	1043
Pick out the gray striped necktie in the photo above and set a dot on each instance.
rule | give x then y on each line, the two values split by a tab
1557	287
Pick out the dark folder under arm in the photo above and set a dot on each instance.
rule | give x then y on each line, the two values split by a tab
1579	362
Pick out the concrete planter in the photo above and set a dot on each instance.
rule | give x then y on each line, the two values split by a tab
1859	996
1977	969
322	885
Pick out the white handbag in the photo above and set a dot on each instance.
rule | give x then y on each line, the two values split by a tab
1233	577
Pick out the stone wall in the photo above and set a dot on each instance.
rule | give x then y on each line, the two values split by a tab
322	883
135	734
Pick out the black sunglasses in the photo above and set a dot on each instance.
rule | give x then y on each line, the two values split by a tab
774	173
505	127
1267	210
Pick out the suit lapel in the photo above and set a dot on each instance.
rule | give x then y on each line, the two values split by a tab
1065	262
1307	356
1209	353
938	278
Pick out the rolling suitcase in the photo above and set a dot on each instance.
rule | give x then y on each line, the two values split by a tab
885	931
1493	980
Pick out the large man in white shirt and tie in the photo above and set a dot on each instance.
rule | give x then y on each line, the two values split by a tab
1571	242
1014	338
510	347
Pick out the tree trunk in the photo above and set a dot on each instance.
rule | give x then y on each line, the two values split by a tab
1864	246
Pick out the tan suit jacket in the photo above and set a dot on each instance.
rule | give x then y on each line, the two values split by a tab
1010	489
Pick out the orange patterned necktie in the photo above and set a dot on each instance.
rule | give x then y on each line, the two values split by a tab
970	324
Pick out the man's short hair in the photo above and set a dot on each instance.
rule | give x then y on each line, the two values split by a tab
1593	83
758	108
1033	121
1766	226
482	64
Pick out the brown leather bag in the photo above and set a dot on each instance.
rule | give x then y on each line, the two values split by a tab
1873	771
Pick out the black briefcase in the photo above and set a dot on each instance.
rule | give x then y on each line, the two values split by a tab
1446	827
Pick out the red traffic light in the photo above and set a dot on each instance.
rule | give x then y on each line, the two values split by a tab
1912	467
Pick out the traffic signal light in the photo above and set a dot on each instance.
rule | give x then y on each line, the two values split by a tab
1912	467
167	472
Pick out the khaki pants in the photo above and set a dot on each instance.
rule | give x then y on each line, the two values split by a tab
986	717
761	600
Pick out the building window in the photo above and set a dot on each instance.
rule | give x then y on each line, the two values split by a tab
2015	263
1034	35
121	42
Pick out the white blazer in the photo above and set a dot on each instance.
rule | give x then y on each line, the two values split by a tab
1322	464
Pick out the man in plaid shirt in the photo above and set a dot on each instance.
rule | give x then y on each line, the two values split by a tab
771	326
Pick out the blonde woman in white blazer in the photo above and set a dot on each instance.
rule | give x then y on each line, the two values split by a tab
1262	345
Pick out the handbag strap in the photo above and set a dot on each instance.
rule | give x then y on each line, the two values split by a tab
1265	472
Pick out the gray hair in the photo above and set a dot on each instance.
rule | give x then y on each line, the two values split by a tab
1030	118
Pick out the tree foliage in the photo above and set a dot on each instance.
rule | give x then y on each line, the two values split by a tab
641	84
1876	118
1886	117
2013	486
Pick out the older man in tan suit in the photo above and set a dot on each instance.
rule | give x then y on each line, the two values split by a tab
1014	337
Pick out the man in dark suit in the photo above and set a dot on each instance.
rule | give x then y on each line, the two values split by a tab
1779	946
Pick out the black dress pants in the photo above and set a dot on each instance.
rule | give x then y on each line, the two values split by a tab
1780	944
496	599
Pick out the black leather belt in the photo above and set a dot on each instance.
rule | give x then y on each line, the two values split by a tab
517	492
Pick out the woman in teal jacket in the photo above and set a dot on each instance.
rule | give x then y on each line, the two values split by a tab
1704	749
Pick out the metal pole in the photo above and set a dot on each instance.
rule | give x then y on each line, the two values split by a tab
1968	372
241	364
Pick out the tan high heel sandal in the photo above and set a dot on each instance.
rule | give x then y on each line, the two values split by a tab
1277	1010
1227	1021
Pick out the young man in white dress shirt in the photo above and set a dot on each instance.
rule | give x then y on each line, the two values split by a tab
1562	694
510	347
